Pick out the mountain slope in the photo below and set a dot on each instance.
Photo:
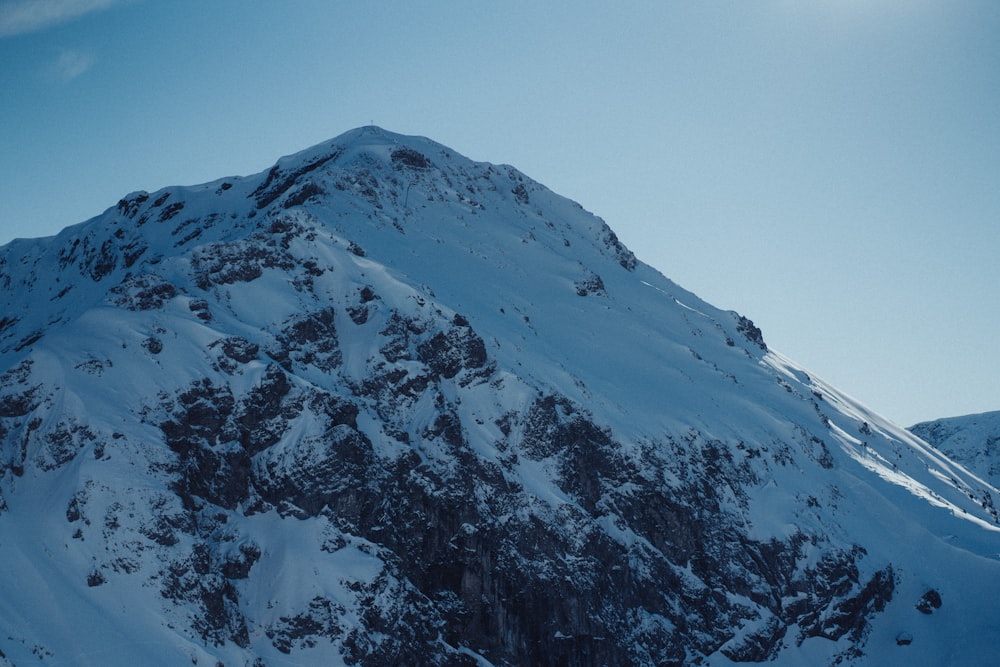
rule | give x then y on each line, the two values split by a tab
972	440
385	405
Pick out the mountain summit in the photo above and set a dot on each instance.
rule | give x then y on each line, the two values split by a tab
382	404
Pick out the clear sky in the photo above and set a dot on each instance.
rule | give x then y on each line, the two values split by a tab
829	168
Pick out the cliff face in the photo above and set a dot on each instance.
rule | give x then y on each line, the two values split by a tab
385	405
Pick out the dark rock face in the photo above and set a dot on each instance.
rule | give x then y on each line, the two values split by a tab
242	261
848	615
62	443
929	601
751	332
199	579
309	340
448	352
317	473
212	464
408	157
143	292
153	344
279	180
239	349
592	284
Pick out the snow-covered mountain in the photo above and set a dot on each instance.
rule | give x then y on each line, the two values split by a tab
972	440
386	405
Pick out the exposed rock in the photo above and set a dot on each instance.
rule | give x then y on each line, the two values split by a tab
592	284
143	292
408	157
310	339
321	620
239	349
929	601
448	353
227	263
279	180
751	332
201	309
153	344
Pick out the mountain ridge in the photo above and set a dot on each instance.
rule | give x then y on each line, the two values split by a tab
381	403
969	439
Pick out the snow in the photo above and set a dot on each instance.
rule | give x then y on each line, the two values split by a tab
649	359
971	440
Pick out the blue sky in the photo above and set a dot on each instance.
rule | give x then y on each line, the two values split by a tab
829	168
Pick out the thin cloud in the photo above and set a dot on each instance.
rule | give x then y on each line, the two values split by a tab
18	17
71	64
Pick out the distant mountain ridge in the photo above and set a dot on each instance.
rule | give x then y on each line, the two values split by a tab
972	440
382	404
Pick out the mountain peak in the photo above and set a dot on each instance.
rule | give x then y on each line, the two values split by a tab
382	404
367	138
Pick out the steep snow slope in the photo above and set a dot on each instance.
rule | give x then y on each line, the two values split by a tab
972	440
385	405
